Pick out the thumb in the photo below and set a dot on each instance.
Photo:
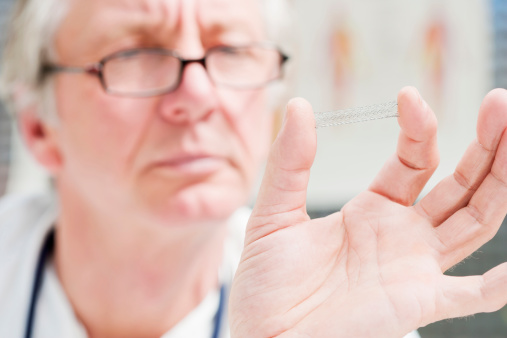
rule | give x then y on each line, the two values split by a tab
283	189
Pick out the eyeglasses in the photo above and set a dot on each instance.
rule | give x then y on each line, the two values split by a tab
154	71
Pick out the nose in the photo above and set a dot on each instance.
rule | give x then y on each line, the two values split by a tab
195	97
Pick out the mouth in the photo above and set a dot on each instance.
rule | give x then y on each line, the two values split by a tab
193	164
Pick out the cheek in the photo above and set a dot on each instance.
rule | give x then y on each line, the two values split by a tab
253	124
99	131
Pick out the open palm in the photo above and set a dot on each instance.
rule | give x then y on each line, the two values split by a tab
376	267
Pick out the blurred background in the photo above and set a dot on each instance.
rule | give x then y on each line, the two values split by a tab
360	52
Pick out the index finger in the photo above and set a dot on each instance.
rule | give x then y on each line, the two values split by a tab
406	173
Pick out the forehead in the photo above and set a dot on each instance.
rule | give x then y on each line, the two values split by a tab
100	21
207	10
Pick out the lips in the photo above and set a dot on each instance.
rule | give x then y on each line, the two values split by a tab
201	164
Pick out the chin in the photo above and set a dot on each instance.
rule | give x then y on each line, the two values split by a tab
179	200
201	204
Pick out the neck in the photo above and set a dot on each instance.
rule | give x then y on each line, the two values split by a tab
128	278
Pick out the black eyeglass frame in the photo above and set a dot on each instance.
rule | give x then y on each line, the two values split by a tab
96	69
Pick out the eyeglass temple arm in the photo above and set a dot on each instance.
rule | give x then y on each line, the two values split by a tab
91	69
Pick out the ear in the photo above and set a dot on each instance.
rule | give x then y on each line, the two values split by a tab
41	139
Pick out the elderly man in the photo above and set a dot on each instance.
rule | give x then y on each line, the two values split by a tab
152	116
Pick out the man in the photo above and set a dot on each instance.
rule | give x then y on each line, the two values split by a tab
151	115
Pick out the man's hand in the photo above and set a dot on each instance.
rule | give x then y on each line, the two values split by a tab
376	267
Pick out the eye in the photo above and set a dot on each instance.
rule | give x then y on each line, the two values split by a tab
237	53
232	50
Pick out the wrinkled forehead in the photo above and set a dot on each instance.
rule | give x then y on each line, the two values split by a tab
206	10
232	15
111	19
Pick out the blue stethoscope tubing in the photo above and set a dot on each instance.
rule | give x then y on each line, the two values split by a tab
47	249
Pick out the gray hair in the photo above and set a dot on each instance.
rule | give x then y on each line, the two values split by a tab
30	44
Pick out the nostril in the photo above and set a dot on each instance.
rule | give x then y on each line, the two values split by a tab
179	115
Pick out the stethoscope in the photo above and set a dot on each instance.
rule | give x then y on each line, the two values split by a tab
47	249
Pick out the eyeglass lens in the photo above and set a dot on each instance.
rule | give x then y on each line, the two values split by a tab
148	71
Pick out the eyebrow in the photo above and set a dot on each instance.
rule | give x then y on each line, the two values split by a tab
130	26
217	29
215	26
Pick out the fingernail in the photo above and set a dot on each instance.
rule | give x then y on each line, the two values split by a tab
422	102
285	117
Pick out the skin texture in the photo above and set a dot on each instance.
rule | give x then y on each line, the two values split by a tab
374	269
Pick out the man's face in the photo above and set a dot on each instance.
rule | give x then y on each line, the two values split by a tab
187	156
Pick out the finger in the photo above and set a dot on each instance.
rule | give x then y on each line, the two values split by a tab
455	191
465	296
283	191
404	175
472	226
